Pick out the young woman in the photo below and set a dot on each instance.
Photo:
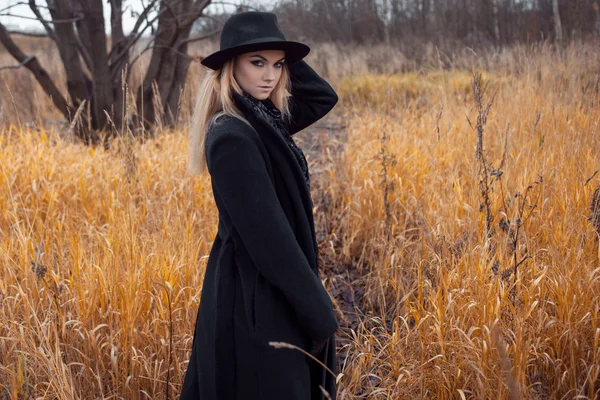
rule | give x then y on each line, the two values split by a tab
262	280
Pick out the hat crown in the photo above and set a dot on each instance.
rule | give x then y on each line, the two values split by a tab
249	25
253	31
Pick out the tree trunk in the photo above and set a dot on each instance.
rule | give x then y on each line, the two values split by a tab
495	20
66	41
386	22
597	11
103	96
169	62
424	16
166	36
557	23
178	83
117	47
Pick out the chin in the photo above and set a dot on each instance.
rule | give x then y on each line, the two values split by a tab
262	95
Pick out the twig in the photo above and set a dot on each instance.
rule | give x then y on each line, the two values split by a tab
25	61
197	38
18	3
71	129
279	345
55	21
523	260
591	177
36	11
24	33
437	122
505	148
141	18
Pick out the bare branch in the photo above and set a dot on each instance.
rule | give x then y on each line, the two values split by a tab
25	61
10	7
38	71
158	46
173	14
148	47
81	35
142	17
132	42
197	38
24	33
83	51
226	3
197	10
33	6
134	35
591	177
56	21
19	3
189	40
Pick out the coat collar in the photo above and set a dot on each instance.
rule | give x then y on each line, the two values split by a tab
256	112
260	114
273	115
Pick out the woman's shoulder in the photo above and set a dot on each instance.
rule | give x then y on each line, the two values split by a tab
227	128
226	123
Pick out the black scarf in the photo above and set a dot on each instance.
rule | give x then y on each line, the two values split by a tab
268	110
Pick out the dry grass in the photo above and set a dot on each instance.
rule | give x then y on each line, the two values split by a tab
103	252
440	289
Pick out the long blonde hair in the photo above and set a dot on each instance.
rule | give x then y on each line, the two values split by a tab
214	98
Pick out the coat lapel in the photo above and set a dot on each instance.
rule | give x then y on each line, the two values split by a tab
285	161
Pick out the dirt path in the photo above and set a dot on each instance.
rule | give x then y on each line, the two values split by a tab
344	282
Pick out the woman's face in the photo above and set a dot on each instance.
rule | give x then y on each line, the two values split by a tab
258	72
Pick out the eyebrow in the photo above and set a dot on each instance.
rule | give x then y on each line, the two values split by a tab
258	55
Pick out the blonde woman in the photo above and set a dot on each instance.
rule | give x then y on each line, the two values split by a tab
262	279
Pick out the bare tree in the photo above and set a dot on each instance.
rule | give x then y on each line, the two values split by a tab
472	22
597	11
495	20
557	23
95	70
386	21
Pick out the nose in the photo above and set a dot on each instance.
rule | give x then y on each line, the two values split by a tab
270	74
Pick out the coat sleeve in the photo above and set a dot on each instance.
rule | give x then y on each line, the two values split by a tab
312	97
240	177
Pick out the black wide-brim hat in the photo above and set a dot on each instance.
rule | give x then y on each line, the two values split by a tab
252	31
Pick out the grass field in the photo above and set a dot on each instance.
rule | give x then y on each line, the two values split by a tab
453	213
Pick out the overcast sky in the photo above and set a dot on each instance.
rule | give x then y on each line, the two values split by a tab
130	6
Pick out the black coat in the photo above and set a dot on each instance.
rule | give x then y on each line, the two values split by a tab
262	278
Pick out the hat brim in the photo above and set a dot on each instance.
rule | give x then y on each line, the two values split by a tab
294	51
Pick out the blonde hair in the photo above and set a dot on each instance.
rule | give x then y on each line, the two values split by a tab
214	99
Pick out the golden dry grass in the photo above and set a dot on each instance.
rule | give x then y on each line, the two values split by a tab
452	322
103	252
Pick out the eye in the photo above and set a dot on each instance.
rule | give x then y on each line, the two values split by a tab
279	64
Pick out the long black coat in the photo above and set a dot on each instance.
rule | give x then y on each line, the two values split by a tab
262	278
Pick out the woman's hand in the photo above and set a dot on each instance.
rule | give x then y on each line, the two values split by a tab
317	347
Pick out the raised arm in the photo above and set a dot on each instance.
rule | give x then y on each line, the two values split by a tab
312	97
240	177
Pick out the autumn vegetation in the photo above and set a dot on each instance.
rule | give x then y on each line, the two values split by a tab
455	206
